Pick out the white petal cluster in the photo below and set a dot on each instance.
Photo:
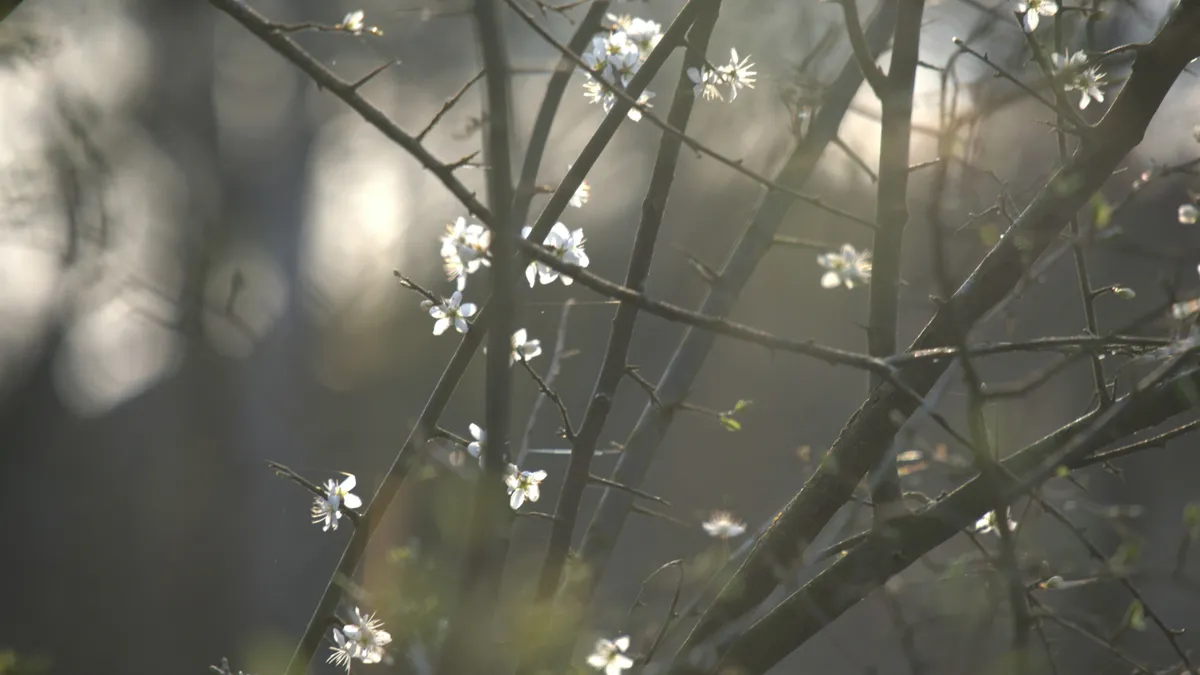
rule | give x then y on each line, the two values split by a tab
523	485
737	75
1189	214
609	656
363	640
722	525
566	245
465	250
847	267
1032	11
523	348
452	311
615	56
1078	76
328	509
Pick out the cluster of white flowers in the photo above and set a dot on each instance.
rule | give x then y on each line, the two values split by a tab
328	509
363	640
847	267
566	245
736	75
615	56
1078	76
609	655
465	250
1188	214
1033	10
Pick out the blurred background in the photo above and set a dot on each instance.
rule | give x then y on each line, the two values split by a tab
196	255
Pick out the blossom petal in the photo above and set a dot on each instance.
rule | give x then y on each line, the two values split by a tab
348	484
441	325
622	642
517	499
460	324
353	501
830	280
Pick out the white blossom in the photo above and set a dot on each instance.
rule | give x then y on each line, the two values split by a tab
452	311
1034	10
1188	214
353	22
475	447
328	509
722	525
465	250
704	83
737	74
523	485
644	33
615	57
1079	77
847	267
596	93
988	522
363	640
566	245
523	348
609	656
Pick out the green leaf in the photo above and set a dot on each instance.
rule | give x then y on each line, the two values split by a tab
1101	211
730	424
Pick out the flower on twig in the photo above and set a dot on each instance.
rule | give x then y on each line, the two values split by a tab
465	250
566	245
328	509
452	311
1079	77
737	74
1033	10
523	349
847	267
523	485
363	640
609	655
353	23
704	83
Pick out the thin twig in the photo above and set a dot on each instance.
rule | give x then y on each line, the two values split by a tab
450	103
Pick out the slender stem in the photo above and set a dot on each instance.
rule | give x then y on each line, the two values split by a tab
891	213
472	632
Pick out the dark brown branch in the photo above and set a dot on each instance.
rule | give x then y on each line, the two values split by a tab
544	387
867	566
862	54
868	434
473	615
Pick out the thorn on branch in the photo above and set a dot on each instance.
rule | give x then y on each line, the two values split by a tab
635	374
568	430
357	84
